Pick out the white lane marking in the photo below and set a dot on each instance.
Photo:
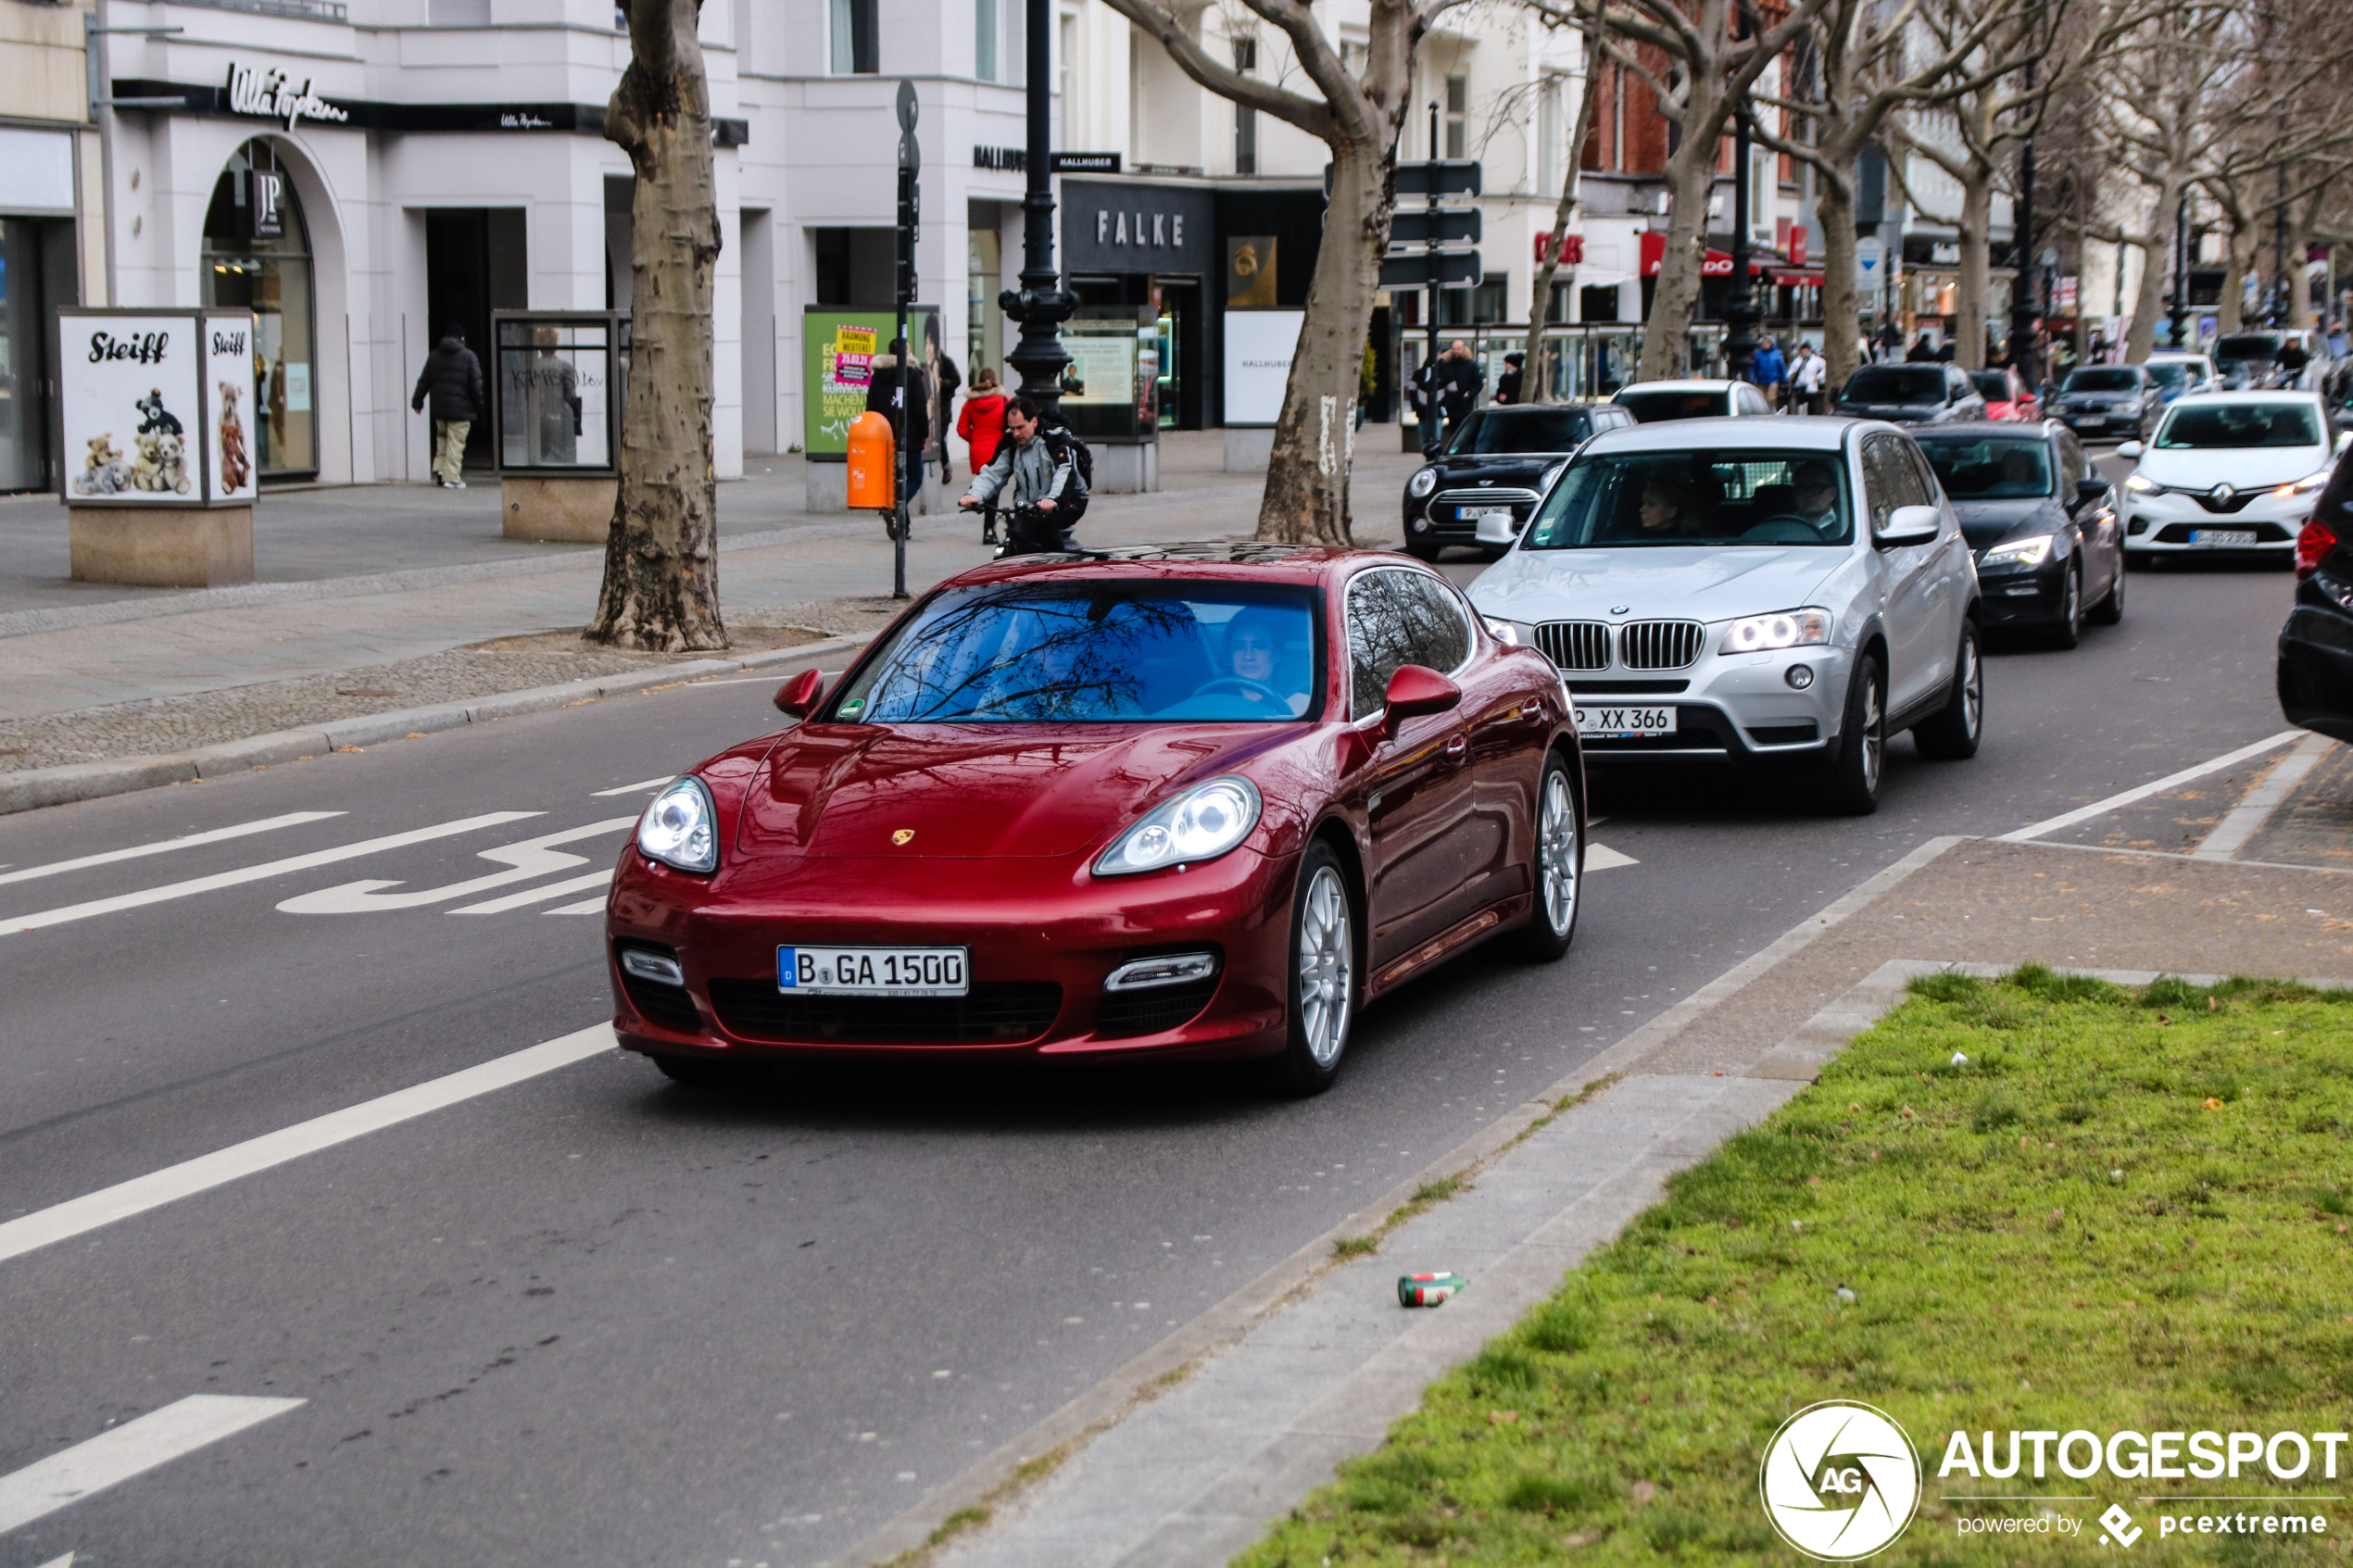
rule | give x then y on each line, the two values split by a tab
1602	858
112	1458
65	1561
77	1216
585	907
642	787
2100	808
528	858
530	895
256	873
2244	820
215	835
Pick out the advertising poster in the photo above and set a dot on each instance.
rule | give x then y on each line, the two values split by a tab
840	346
129	407
228	375
1259	345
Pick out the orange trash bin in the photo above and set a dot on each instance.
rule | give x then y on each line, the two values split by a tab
873	469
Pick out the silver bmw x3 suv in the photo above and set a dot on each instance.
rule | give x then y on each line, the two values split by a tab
1784	592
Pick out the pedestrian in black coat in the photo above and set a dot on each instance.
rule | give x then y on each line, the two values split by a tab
888	385
452	382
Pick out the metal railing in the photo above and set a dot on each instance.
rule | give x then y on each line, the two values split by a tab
1581	361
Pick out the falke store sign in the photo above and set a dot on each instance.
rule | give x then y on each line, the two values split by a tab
271	95
1136	227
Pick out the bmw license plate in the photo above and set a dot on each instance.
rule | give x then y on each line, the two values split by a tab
2222	538
1472	514
874	971
2089	419
1625	723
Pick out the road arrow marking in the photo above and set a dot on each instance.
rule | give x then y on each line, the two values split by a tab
531	858
111	1458
1602	858
530	895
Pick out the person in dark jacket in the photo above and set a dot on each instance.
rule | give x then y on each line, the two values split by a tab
884	393
1508	385
951	381
452	380
1923	351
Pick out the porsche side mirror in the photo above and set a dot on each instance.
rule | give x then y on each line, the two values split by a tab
1911	525
1414	691
799	695
2130	449
2089	490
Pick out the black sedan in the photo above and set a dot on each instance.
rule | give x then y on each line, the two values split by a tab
1911	395
2109	402
2050	549
2316	646
1484	486
2250	361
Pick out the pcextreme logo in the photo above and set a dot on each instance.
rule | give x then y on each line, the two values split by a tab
1840	1481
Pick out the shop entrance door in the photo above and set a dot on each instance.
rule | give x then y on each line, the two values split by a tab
1182	352
36	272
473	265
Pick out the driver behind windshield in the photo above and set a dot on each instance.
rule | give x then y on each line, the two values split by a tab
1729	497
1254	653
1817	487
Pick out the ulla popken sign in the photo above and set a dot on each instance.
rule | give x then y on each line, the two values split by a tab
272	95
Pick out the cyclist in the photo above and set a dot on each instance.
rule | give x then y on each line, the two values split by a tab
1034	475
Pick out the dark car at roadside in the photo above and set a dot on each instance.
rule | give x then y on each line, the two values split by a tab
2109	402
2249	362
2316	646
1481	490
1911	395
2042	521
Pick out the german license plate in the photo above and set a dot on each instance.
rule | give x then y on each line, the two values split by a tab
2090	419
1625	723
874	971
1472	514
2222	538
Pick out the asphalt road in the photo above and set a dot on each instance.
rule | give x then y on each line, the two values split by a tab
595	1319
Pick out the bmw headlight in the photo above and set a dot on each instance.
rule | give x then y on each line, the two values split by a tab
1783	629
2018	552
680	828
2310	484
1199	824
2139	486
1503	631
1422	483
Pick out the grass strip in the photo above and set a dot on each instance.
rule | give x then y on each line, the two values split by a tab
2055	1204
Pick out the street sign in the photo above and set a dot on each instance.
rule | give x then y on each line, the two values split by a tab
1418	226
906	106
1870	253
1439	269
1456	177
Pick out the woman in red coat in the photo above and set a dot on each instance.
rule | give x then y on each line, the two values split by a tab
982	424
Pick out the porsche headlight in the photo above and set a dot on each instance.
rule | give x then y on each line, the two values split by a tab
1785	629
2139	486
2018	552
2310	484
680	828
1422	483
1199	824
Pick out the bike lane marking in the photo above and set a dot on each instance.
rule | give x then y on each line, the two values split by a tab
2100	808
189	841
133	1449
524	859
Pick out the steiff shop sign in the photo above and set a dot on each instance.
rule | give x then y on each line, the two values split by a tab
152	407
1121	227
271	95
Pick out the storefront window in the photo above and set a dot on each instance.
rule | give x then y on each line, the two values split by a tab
256	255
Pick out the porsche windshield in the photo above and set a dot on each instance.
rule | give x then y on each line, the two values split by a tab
1095	652
1738	497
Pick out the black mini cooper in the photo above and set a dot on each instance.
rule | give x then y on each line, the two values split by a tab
1482	489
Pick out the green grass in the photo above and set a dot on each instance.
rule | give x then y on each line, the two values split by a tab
2123	1210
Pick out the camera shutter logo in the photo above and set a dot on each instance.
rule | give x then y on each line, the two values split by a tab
1840	1481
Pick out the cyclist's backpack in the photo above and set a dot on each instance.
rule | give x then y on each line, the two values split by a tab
1066	444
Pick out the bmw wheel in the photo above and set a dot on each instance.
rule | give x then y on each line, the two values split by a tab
1323	975
1557	866
1851	783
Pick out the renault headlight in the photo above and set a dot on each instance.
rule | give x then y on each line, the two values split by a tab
2018	552
1783	629
1199	824
2139	486
680	828
2310	484
1422	483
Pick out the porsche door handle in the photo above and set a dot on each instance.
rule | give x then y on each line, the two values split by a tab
1458	749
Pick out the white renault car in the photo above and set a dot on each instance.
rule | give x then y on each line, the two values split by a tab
1785	592
2230	471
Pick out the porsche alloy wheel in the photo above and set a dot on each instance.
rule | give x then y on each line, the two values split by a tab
1323	988
1557	861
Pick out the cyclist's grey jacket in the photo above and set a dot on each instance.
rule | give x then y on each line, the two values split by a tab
1041	471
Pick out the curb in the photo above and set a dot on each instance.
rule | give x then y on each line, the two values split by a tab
35	787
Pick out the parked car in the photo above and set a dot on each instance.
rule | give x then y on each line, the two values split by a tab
2316	646
1175	804
2099	402
2007	395
2178	374
1484	486
1911	395
1653	400
2229	471
2050	547
1782	595
2248	361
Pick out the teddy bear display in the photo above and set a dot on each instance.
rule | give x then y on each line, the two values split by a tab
159	421
161	466
105	472
235	469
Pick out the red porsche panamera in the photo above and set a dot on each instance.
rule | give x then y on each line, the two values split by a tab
1183	803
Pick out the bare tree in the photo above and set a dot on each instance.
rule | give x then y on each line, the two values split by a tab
662	569
1539	293
1358	119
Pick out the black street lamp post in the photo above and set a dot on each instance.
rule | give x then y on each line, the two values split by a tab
2181	272
1741	313
1042	304
2023	305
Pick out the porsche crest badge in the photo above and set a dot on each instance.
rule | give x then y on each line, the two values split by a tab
901	836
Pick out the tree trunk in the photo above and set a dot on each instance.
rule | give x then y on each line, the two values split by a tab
1306	496
2247	238
1535	371
1977	218
1690	175
1842	299
2155	259
661	569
